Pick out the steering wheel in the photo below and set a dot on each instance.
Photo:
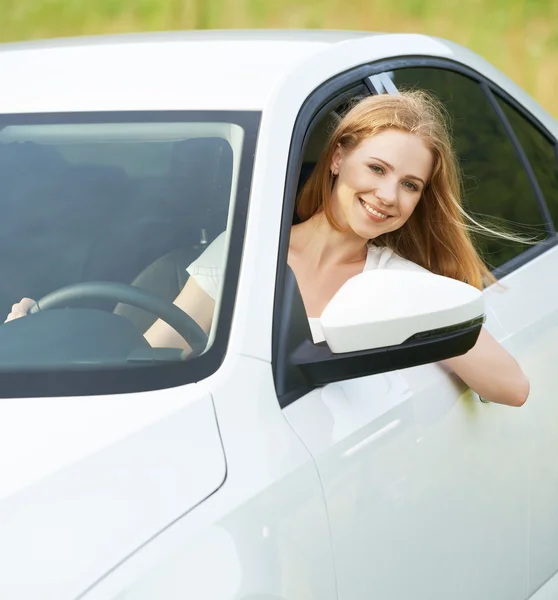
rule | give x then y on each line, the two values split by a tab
180	321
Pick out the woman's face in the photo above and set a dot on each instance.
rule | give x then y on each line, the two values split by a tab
380	182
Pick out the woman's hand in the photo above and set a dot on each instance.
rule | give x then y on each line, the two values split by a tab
492	372
21	309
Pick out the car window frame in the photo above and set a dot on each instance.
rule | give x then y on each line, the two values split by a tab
289	388
156	375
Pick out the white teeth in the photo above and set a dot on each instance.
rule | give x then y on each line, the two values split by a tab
373	211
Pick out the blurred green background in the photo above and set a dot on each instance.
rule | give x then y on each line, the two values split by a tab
518	36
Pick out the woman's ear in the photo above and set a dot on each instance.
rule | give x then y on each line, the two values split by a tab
336	160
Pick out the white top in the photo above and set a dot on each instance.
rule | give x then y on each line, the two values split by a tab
208	271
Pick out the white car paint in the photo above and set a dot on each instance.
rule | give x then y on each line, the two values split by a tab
420	302
425	486
97	482
63	431
266	529
151	72
528	312
392	485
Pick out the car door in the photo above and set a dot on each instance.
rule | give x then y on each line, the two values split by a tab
426	486
533	327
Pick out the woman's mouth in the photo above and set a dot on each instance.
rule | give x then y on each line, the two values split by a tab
372	212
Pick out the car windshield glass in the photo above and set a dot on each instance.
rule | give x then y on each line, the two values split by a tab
97	206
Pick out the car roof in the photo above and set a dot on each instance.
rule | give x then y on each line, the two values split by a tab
202	70
328	36
231	69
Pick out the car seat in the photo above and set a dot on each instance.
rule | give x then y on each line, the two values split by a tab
198	196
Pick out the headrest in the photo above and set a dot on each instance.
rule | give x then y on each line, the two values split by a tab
205	166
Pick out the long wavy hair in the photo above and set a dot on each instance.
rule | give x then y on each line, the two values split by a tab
437	235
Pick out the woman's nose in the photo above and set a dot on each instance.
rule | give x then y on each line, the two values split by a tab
387	193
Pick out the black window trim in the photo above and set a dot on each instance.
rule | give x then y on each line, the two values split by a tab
148	377
552	240
326	94
521	154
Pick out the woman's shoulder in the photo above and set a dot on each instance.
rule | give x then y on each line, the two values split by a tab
208	268
382	257
214	255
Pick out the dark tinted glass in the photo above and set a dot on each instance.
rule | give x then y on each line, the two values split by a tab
497	190
541	153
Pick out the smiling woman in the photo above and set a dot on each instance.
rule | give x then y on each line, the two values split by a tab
386	193
397	151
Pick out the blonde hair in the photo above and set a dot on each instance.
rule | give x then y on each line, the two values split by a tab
437	235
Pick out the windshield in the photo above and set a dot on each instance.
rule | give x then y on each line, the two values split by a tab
94	204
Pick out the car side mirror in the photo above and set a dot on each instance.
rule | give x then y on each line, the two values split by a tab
383	308
379	321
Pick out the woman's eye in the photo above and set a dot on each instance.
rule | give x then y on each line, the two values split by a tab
376	168
410	186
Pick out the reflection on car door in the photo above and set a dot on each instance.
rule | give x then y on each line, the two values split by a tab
426	487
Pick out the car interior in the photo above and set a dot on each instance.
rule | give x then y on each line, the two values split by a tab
66	222
119	203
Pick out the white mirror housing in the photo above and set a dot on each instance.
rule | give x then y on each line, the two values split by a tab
382	308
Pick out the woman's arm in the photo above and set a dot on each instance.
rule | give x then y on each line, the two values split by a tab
492	372
192	300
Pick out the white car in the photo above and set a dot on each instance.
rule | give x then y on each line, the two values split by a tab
264	467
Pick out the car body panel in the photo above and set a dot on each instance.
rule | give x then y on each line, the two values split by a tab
424	484
548	591
151	72
67	528
263	535
528	310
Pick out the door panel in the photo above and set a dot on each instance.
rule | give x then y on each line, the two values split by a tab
426	486
528	309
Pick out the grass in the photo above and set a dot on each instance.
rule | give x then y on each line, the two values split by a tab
519	36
